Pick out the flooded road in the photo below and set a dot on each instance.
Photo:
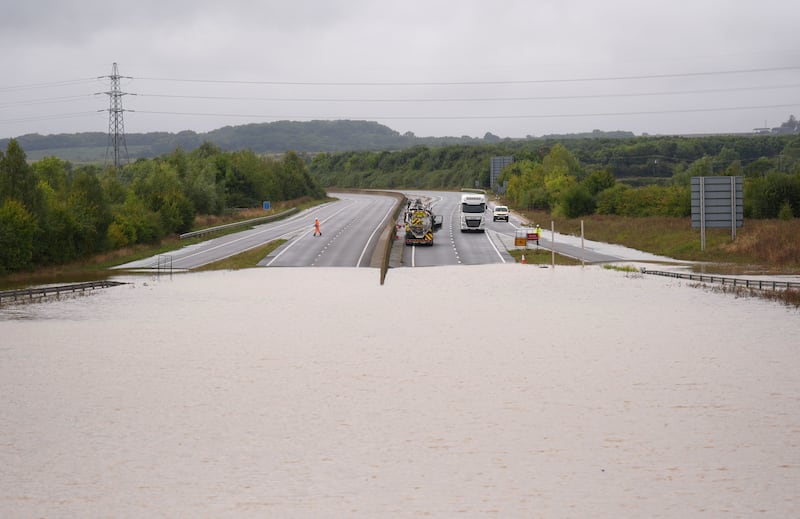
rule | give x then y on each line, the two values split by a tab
472	391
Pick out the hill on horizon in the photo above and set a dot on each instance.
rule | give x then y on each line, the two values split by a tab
274	137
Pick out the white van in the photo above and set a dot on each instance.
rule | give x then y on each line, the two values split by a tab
500	213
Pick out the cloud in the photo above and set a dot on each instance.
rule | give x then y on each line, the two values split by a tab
472	50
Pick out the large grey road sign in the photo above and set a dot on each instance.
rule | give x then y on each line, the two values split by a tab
717	202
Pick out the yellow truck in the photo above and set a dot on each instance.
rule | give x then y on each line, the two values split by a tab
421	223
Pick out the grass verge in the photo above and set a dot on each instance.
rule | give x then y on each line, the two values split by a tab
760	247
621	268
789	297
246	259
97	267
541	257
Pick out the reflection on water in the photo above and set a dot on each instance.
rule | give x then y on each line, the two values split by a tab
502	390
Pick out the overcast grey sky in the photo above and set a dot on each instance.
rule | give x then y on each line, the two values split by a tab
432	67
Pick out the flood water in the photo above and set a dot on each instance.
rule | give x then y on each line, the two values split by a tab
485	391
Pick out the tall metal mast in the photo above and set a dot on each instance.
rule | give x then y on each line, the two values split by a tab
116	124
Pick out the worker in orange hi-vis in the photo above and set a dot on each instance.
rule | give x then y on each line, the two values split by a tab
316	227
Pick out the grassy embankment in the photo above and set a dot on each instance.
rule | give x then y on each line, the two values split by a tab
96	267
246	259
761	246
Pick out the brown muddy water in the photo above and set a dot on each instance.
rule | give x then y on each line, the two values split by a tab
486	391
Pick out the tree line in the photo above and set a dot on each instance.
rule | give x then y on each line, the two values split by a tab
639	176
52	212
273	137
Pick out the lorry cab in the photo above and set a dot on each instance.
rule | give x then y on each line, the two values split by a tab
473	209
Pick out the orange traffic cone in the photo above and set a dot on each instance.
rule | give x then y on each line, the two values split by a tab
523	258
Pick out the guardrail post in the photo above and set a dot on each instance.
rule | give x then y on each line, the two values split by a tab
165	261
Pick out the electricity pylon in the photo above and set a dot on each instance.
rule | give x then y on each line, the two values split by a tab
116	124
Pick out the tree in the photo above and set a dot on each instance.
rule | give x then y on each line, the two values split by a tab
576	201
161	190
790	126
702	167
241	179
201	188
134	223
758	168
789	158
90	212
17	229
598	180
17	179
52	170
296	169
610	201
764	197
726	156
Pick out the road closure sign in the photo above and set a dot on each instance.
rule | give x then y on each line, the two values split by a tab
521	238
717	202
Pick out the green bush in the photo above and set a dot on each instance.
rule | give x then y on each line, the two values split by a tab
576	201
785	212
17	229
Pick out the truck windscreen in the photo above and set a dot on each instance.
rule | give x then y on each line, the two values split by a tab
467	208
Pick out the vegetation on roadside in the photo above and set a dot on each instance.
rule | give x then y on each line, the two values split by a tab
629	190
622	268
539	256
96	266
53	213
760	247
558	174
789	297
246	259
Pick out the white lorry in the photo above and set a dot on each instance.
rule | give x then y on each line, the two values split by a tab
473	209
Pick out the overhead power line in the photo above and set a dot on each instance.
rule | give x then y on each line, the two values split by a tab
456	117
50	84
418	117
417	99
45	100
115	94
453	83
472	99
48	117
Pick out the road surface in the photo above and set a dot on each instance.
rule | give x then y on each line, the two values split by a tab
351	227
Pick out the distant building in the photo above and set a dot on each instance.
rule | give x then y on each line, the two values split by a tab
496	165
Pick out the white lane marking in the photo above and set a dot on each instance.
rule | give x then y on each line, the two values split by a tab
495	247
290	245
452	233
381	223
